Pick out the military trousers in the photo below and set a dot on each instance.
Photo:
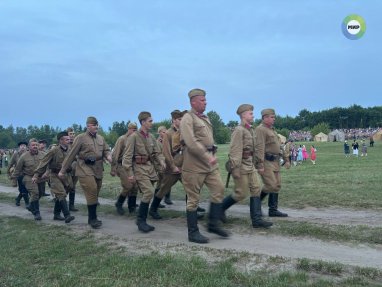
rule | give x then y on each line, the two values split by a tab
271	178
168	181
91	187
128	188
247	184
60	187
193	183
31	187
146	186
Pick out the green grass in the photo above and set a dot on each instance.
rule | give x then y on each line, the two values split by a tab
34	254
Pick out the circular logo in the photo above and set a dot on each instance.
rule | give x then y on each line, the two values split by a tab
353	27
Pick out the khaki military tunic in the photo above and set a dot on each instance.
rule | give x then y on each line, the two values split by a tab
116	166
141	153
87	146
241	161
11	167
25	167
170	177
53	160
267	143
197	134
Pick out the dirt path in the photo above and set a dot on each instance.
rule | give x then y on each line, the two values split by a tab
173	232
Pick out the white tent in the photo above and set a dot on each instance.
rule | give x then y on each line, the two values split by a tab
321	137
336	136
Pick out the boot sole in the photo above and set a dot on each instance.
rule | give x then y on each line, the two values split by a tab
198	241
71	218
221	233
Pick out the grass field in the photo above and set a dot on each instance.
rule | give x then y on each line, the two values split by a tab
34	254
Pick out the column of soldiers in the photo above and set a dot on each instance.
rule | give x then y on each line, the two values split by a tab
186	152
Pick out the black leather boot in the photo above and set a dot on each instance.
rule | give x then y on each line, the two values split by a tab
214	220
65	211
273	201
72	196
57	211
92	217
255	210
17	199
132	203
26	199
36	214
141	218
167	198
227	203
263	195
160	205
154	208
193	230
121	199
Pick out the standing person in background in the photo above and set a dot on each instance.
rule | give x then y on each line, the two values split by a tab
355	147
346	149
313	154
23	192
267	160
90	149
371	139
305	154
299	155
200	167
242	168
364	149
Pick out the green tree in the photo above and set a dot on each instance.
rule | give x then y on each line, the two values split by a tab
321	128
222	134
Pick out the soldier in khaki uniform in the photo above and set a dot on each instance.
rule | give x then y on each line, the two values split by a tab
23	192
267	160
53	160
200	167
72	192
128	189
42	144
161	133
242	168
25	168
141	154
90	149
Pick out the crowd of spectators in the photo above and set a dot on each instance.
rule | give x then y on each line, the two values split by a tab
300	136
355	134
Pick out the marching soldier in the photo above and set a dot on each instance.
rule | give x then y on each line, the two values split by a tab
42	183
161	133
25	168
141	153
200	167
129	189
72	192
242	168
267	160
23	192
91	149
53	160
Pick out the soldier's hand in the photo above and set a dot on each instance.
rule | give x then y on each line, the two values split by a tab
113	173
34	179
213	160
260	171
163	166
287	165
236	173
131	179
45	175
176	170
61	175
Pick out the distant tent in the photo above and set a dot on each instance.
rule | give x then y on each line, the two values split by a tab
336	136
321	137
282	138
378	135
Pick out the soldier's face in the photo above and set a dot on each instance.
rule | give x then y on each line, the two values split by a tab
269	120
71	135
247	117
162	133
199	103
22	147
177	122
148	123
33	147
131	130
41	146
65	140
92	128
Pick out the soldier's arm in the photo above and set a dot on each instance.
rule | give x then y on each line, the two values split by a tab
19	168
259	148
116	153
12	163
127	159
167	152
193	145
236	148
71	155
157	154
41	168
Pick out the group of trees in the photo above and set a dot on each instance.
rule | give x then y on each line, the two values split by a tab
323	121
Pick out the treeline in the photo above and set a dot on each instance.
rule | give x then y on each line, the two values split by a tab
345	118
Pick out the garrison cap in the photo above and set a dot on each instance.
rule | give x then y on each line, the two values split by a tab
22	143
243	108
91	121
42	141
196	92
266	112
62	134
176	114
132	125
143	115
161	128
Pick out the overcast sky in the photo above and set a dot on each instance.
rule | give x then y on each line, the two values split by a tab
61	61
